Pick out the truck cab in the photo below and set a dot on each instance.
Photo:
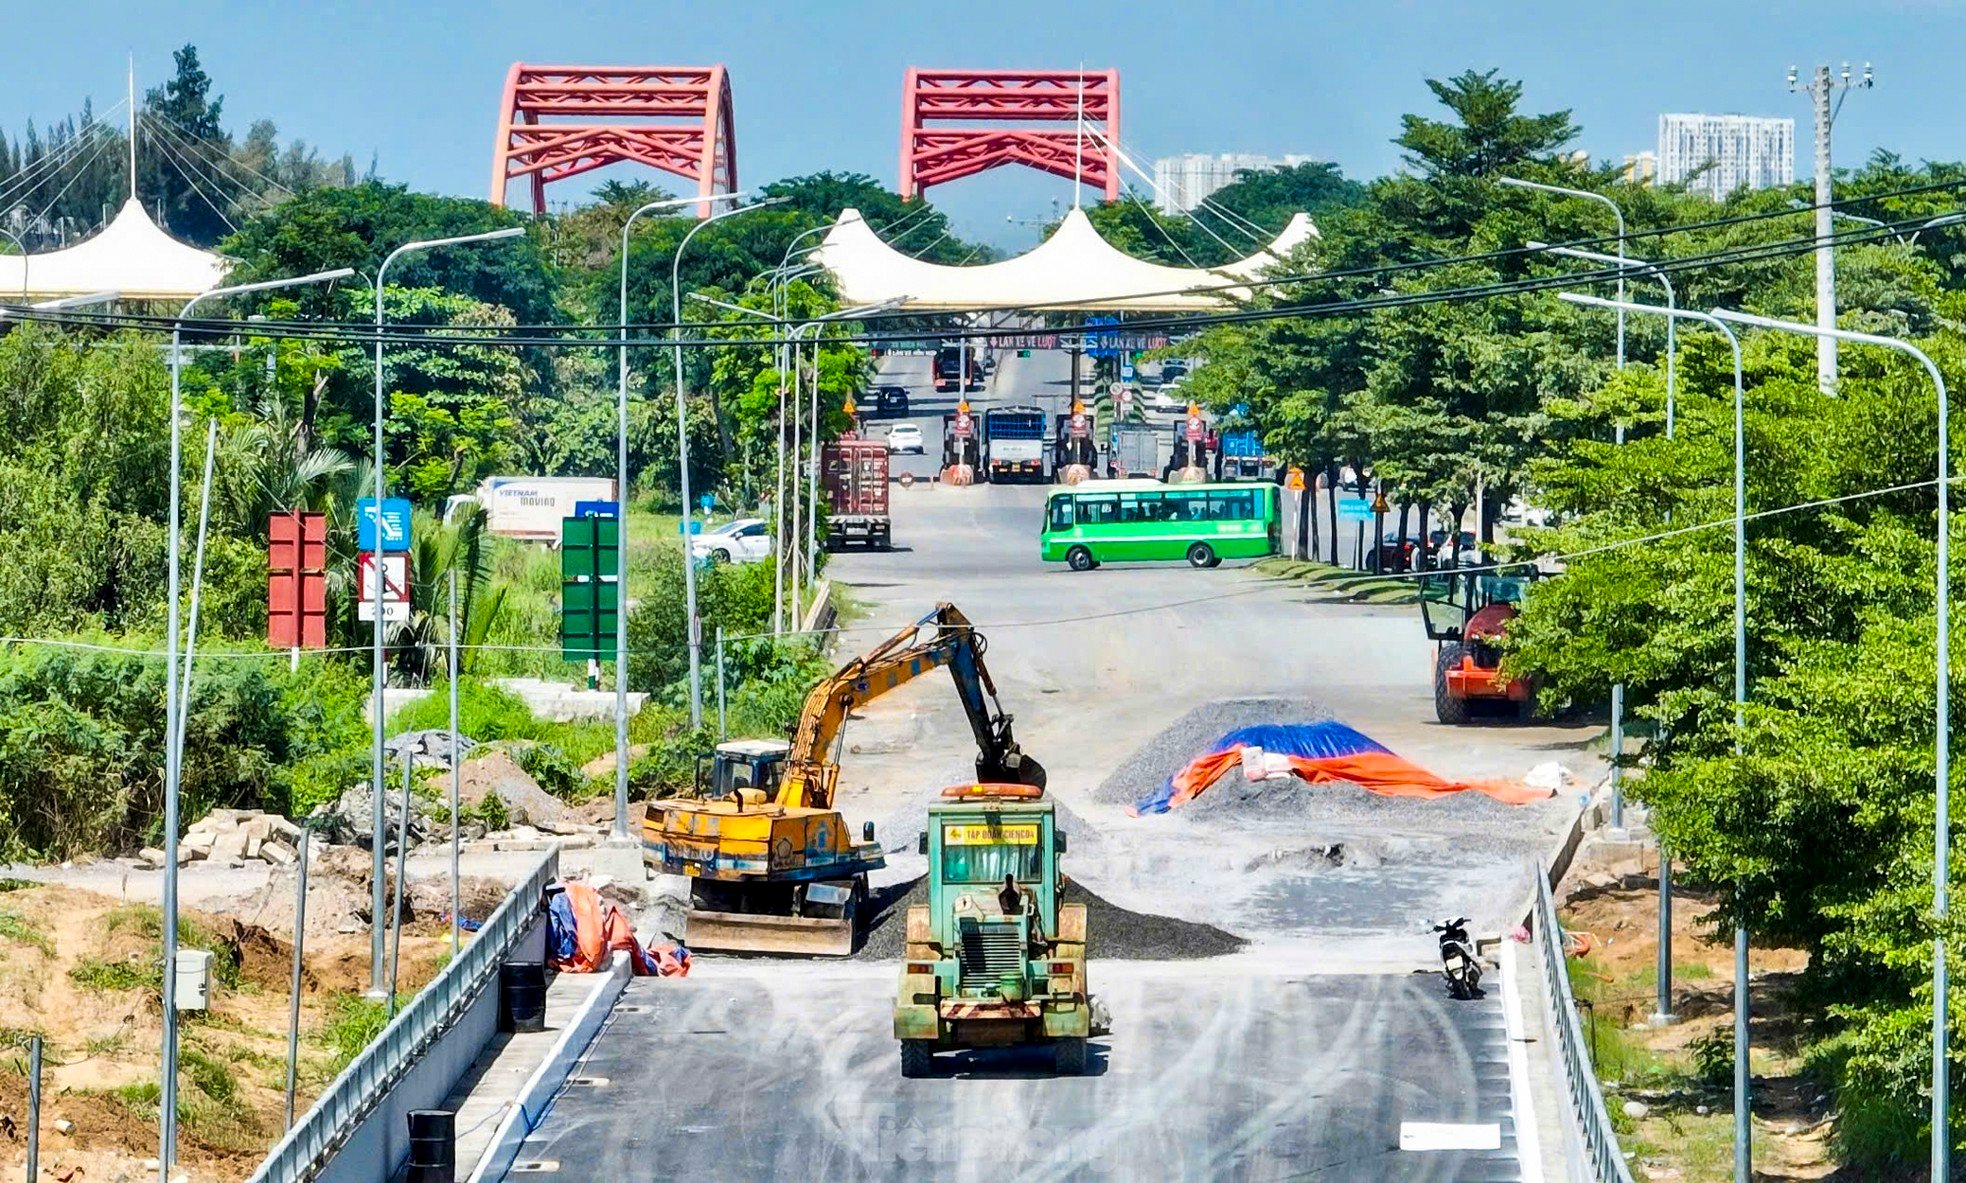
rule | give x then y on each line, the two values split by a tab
979	974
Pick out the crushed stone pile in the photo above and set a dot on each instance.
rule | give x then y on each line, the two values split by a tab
1113	932
1234	797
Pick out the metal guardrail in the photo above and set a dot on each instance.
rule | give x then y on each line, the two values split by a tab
1587	1112
369	1077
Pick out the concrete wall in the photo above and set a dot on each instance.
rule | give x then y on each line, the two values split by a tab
377	1148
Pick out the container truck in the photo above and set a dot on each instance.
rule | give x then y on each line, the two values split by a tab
853	472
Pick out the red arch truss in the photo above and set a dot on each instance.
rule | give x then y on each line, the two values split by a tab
1052	101
557	122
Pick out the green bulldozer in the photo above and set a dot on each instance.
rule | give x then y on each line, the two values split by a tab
994	959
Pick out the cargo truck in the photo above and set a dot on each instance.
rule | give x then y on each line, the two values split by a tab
1136	450
853	472
530	507
1013	444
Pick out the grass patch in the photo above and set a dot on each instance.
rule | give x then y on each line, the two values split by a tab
147	922
1358	586
17	884
353	1023
110	977
19	929
212	1076
105	1045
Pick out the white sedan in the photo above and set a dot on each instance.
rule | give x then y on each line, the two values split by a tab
745	540
905	437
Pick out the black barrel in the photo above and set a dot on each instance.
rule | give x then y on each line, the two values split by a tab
433	1146
522	996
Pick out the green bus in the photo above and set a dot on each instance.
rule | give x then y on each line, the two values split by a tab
1144	520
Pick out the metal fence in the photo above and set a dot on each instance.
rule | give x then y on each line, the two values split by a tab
369	1077
1587	1117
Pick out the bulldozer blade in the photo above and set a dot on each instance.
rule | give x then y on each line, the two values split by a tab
756	932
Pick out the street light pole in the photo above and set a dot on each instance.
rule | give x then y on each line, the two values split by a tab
1617	818
174	704
1672	303
378	988
1941	754
1743	1131
682	457
1616	212
620	831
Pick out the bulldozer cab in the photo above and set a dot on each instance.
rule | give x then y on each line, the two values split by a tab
740	767
972	842
1449	598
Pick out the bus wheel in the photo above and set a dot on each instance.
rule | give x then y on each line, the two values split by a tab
1201	555
1080	559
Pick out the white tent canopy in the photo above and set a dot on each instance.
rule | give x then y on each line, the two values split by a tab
130	256
1074	269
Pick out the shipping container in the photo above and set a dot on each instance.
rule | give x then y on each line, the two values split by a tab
853	472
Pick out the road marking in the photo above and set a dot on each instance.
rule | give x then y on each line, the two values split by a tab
1434	1135
1528	1141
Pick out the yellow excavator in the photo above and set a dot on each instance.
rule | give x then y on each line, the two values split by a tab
772	865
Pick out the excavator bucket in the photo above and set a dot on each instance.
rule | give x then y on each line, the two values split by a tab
1015	769
753	932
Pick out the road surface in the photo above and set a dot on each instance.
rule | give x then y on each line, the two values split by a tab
1298	1058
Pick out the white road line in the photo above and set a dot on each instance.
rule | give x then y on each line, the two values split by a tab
1434	1135
1528	1147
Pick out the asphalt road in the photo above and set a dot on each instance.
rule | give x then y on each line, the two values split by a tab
789	1071
1298	1058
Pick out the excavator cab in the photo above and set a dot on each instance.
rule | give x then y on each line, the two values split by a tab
745	771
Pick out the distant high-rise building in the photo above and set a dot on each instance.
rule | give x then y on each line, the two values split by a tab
1182	182
1735	152
1641	168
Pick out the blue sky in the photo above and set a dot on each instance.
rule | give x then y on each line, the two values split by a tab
817	85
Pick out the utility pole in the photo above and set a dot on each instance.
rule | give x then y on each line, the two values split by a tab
1819	88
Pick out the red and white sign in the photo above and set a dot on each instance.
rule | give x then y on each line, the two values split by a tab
962	425
395	585
1080	428
1194	429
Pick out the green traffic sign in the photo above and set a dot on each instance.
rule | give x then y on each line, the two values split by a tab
590	587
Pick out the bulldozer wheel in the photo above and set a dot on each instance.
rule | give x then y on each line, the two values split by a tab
1069	1056
917	1058
1446	707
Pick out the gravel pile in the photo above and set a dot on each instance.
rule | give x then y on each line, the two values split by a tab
1113	932
1235	798
1192	734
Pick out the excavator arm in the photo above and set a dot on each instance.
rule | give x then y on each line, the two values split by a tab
812	766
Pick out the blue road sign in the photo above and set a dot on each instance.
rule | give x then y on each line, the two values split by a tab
1102	343
708	501
695	527
1354	509
389	530
597	509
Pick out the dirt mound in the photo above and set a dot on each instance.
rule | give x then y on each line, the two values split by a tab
525	802
1112	932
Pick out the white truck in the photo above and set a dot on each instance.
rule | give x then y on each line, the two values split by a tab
530	507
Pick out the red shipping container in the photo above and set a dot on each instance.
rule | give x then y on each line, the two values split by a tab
297	581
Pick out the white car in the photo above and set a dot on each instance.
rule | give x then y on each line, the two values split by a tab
745	540
905	437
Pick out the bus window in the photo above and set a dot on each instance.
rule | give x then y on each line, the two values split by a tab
1093	510
1231	507
1061	513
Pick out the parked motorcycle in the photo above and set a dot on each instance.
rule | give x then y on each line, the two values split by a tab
1458	962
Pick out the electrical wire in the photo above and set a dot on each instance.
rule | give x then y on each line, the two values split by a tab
187	134
219	181
365	335
32	174
170	156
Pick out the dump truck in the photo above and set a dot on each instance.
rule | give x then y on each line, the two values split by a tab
773	867
853	472
984	969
